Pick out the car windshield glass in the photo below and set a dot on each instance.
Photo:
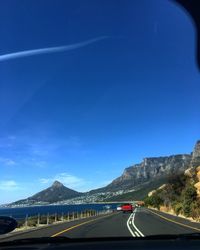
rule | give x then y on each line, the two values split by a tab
99	119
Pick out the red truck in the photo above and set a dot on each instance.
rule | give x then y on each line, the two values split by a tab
127	208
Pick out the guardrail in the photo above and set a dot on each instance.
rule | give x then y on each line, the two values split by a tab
48	219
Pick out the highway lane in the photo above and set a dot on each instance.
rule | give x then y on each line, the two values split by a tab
112	226
75	226
142	222
150	223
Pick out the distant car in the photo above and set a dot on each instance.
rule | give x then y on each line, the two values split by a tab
127	208
119	208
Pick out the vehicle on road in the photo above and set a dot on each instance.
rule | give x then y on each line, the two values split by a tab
127	208
119	207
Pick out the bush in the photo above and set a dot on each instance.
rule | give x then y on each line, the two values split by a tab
154	201
189	195
20	223
195	210
32	222
178	208
186	209
51	219
43	219
177	183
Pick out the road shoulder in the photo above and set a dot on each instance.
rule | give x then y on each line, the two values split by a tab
177	220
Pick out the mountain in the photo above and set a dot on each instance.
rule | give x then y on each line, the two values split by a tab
57	192
195	162
141	192
152	173
181	193
150	169
135	182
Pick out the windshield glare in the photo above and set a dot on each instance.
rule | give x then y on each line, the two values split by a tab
99	128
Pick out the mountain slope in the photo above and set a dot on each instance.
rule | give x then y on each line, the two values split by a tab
141	193
149	170
57	192
181	194
158	171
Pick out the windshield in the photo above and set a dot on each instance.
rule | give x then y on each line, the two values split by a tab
99	128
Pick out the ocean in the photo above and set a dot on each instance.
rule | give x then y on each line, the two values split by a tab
22	212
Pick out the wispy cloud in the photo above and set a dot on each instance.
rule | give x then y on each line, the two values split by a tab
9	185
26	53
75	182
7	141
68	180
7	161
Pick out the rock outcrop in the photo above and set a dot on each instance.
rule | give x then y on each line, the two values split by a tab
154	168
195	162
197	184
149	170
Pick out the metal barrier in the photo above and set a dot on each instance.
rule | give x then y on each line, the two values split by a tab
48	219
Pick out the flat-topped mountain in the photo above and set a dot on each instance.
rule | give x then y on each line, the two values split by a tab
151	172
148	170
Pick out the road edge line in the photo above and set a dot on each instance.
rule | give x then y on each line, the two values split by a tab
179	223
133	223
127	223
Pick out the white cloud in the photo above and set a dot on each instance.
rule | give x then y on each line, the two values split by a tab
27	53
10	162
44	181
12	137
75	182
41	164
8	185
7	161
66	179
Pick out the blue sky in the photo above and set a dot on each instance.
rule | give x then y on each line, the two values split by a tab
81	116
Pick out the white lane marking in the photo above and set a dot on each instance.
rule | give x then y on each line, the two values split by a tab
133	223
132	233
137	234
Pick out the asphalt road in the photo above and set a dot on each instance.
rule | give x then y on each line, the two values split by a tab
142	222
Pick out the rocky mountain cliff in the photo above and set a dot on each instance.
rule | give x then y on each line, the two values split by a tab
195	162
153	172
152	169
181	193
149	169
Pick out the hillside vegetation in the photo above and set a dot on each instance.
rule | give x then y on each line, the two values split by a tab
179	195
139	194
